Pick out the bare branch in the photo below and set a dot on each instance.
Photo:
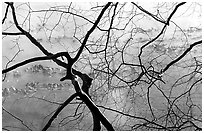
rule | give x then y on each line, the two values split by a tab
90	31
7	33
63	105
5	16
181	56
35	59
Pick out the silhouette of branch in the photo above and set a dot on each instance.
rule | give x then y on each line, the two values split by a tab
5	16
181	56
97	115
132	116
7	33
17	118
150	14
58	111
91	30
74	14
155	17
174	11
161	32
33	60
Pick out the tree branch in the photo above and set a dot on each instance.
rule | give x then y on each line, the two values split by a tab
174	11
150	14
33	60
181	56
91	30
5	16
7	33
97	115
36	43
58	111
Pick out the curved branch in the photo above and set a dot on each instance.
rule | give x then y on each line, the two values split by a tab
181	56
174	11
33	60
150	14
155	17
